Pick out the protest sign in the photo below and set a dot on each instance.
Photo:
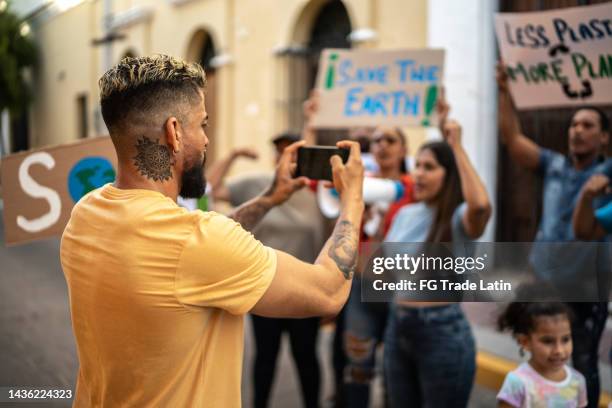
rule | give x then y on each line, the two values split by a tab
40	187
375	87
559	57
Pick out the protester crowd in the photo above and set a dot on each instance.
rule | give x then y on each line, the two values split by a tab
429	349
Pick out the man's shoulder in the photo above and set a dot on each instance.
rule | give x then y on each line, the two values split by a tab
130	211
605	167
215	225
553	160
213	217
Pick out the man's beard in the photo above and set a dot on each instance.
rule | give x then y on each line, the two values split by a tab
193	180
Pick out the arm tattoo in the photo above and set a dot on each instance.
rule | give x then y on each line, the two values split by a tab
153	160
249	214
343	249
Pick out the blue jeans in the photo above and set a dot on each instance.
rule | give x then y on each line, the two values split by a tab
430	357
365	328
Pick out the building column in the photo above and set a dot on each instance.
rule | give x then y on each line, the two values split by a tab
465	30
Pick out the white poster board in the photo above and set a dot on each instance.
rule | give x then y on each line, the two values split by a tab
377	87
558	58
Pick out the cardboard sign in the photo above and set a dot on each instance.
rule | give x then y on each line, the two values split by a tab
374	87
40	187
558	58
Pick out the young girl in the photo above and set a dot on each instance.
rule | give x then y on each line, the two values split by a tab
543	329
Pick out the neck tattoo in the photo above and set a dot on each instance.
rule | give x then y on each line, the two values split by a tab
154	161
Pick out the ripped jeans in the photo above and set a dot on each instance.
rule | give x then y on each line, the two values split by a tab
365	328
430	357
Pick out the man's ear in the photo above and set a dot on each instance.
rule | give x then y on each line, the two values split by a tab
173	132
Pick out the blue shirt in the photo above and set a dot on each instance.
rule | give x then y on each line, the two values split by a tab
413	222
556	253
562	185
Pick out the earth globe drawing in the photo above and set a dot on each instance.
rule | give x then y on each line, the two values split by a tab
89	174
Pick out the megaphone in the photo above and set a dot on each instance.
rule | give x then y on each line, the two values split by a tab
375	190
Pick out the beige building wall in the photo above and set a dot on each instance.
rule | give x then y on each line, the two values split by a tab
66	69
250	82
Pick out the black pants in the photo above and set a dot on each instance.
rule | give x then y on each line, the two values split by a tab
303	339
339	360
587	328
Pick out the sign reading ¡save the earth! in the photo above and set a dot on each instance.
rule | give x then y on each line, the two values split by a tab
375	87
559	57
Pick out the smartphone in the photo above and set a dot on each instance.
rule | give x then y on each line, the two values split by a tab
313	161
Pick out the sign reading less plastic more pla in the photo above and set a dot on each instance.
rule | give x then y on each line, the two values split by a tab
558	57
369	87
40	187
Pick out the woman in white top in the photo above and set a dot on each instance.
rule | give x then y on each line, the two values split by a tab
429	347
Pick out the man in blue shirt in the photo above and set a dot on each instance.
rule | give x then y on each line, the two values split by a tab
554	257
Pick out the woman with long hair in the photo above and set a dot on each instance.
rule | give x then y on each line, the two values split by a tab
429	347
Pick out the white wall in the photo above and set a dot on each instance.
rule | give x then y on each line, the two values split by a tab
465	29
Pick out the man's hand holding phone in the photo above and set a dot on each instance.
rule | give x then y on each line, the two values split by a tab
285	184
348	177
314	161
340	166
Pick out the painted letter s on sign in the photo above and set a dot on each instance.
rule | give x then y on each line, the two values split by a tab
35	190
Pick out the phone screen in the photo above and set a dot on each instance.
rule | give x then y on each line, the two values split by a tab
313	161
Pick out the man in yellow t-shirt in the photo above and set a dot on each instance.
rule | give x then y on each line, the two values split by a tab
158	294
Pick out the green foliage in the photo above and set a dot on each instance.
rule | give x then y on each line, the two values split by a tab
17	52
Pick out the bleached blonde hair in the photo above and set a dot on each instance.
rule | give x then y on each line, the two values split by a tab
132	72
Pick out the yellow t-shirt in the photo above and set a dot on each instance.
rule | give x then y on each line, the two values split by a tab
157	298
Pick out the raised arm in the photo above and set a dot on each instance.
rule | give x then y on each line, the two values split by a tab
300	289
474	192
522	149
218	171
283	186
442	109
310	107
585	225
